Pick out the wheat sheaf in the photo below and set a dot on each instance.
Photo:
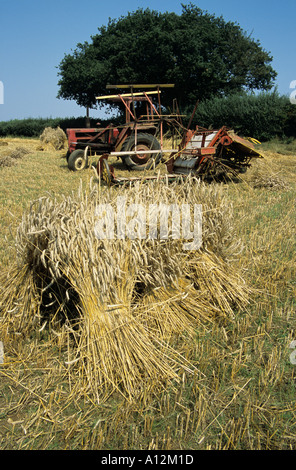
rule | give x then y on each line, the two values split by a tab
122	308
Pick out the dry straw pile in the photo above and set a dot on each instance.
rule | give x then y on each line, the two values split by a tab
269	181
269	174
55	138
122	310
11	158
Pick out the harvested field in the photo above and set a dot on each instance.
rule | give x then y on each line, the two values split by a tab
131	344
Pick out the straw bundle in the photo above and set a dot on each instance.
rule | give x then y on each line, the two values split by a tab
55	138
6	160
10	159
19	152
122	302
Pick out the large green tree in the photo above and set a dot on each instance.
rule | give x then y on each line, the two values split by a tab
203	55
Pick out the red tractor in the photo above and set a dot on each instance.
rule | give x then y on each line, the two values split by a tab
135	142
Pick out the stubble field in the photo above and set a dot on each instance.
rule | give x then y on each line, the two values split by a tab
237	390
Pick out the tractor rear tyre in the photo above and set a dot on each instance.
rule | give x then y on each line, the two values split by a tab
76	161
141	161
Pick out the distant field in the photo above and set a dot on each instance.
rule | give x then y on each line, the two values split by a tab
244	395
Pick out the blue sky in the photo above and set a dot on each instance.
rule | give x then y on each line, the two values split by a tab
35	35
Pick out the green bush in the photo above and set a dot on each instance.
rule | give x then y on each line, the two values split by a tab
22	127
263	116
32	127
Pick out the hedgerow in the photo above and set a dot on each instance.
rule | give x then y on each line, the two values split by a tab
263	116
33	127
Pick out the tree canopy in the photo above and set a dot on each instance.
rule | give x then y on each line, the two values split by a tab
203	55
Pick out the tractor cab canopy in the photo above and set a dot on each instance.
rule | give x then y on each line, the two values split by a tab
129	99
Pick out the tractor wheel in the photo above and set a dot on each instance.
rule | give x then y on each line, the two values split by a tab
76	161
141	161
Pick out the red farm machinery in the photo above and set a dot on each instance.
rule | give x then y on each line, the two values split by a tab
138	142
205	153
